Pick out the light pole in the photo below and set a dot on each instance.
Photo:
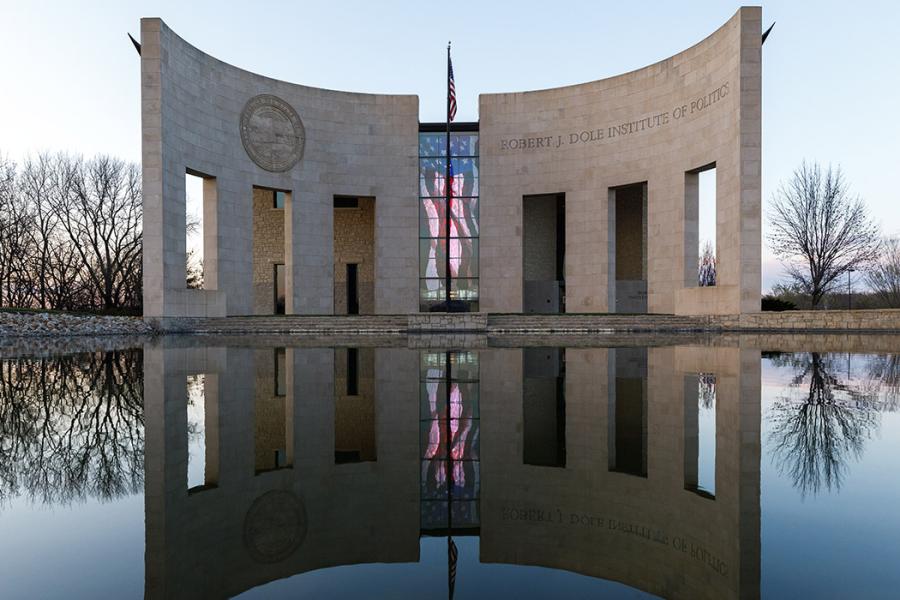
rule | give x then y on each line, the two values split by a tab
849	289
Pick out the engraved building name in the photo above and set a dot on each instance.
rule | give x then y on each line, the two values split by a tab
617	130
557	516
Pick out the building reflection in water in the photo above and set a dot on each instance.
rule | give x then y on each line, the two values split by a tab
544	407
354	405
700	433
639	465
628	411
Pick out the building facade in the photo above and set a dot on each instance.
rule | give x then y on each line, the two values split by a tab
575	199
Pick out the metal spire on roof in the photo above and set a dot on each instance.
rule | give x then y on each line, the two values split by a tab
766	33
137	44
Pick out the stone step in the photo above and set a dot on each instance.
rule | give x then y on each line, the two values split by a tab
429	322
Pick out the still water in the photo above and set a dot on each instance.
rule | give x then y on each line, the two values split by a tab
693	468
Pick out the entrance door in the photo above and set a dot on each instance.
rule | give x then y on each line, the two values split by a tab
352	294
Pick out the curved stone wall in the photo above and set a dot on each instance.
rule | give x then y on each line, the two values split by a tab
193	110
651	125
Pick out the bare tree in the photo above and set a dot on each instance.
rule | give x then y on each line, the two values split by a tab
707	270
819	231
66	285
101	213
15	241
37	185
884	276
7	201
70	233
194	262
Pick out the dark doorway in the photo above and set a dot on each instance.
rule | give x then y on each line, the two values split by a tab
279	289
628	248
544	253
352	293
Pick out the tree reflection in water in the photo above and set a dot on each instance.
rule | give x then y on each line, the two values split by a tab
821	424
72	427
883	372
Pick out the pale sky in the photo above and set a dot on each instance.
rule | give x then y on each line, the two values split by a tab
831	69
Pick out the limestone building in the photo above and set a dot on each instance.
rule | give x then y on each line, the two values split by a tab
575	199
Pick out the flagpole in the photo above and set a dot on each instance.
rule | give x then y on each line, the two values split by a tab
448	186
448	396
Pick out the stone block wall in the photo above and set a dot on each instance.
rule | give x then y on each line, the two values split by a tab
475	322
539	222
874	320
268	249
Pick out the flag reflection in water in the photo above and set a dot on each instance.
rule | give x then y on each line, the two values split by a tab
449	440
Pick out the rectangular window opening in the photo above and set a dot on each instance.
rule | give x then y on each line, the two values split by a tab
193	229
700	227
700	434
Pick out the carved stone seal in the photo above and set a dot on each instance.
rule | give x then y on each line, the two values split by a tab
272	133
275	526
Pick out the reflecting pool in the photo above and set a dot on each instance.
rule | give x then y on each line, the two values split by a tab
724	467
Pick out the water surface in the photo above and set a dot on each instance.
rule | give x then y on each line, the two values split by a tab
685	468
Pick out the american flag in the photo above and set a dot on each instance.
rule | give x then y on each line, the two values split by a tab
452	555
448	188
451	89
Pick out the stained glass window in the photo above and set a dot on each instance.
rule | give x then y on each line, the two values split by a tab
463	240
